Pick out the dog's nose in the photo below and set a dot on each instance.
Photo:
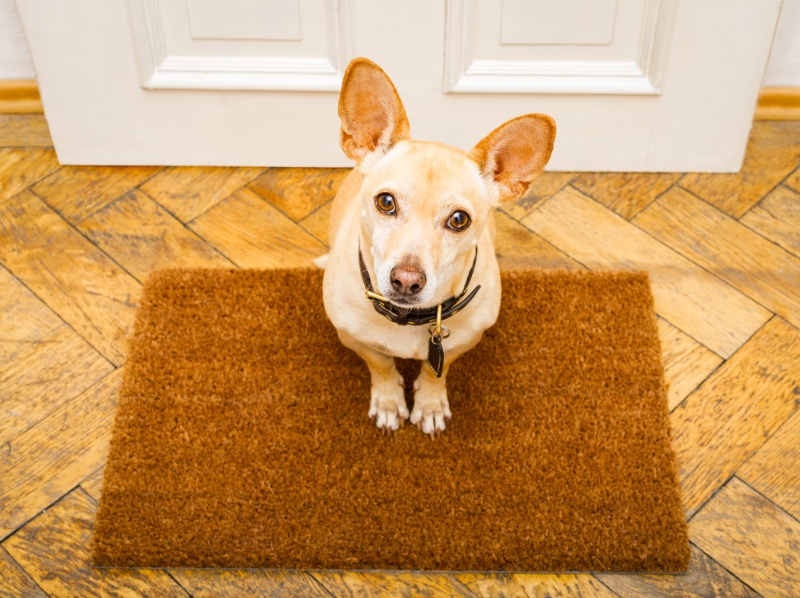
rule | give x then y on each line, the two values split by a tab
407	280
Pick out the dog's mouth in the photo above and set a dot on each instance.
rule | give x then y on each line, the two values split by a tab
403	302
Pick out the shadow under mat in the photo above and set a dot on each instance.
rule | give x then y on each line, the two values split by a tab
242	439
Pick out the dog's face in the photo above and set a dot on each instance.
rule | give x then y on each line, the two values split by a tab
423	208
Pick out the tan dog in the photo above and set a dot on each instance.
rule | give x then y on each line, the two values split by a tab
412	271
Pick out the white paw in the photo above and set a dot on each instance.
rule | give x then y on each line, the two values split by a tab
431	414
388	408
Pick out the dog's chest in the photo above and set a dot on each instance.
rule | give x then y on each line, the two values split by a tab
407	342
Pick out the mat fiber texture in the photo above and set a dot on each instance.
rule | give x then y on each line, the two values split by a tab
242	438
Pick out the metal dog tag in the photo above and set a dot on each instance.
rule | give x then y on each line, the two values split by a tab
435	347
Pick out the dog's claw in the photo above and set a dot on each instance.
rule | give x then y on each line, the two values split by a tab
388	418
435	433
431	420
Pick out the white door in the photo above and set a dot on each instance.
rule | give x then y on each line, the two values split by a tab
665	85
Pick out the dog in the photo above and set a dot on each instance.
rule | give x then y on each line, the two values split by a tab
412	271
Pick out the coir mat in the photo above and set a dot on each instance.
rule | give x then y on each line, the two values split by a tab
242	438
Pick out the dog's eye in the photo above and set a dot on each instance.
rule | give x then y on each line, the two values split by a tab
458	221
385	203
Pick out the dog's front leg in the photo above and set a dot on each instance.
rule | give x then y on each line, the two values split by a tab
387	394
431	408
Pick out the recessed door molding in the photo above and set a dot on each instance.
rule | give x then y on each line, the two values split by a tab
161	68
640	73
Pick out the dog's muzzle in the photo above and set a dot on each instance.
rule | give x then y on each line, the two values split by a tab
417	316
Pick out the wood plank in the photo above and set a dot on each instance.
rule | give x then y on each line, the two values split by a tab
748	535
686	362
732	252
688	297
380	583
204	583
24	130
93	485
54	456
775	469
76	192
545	186
299	191
317	222
723	423
519	248
626	193
54	550
772	153
188	191
142	236
46	375
254	234
793	180
21	167
704	578
78	281
520	584
14	581
777	218
24	320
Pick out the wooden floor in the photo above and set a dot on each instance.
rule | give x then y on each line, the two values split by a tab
76	244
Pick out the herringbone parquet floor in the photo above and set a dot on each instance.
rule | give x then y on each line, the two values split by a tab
723	251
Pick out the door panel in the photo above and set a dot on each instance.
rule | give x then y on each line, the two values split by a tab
569	22
665	85
245	20
614	46
294	45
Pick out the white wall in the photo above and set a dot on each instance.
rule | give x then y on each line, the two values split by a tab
783	68
15	59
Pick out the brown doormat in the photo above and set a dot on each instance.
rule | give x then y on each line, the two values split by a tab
242	437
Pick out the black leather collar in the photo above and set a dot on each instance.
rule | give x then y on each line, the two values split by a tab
417	316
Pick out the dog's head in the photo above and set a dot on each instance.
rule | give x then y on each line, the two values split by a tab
425	205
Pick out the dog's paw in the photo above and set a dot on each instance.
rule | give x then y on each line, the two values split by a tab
389	415
388	407
431	412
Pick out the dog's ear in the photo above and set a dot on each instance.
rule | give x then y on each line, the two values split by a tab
373	117
514	153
